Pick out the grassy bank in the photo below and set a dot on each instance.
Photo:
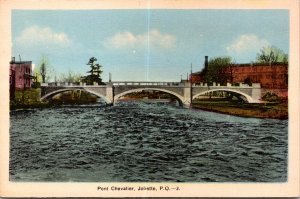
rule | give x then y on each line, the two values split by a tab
30	98
275	110
27	99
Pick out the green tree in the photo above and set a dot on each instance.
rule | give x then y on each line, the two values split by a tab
218	70
69	77
94	73
44	70
271	54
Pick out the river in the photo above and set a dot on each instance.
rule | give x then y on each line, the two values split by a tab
144	142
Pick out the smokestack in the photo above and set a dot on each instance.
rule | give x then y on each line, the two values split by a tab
206	62
13	59
109	77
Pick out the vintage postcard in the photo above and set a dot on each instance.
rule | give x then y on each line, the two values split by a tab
146	98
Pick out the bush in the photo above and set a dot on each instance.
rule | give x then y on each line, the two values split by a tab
271	97
27	96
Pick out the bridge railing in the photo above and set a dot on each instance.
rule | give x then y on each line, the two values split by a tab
64	84
117	83
239	85
132	83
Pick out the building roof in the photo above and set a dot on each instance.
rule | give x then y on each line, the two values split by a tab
20	62
197	73
259	64
250	64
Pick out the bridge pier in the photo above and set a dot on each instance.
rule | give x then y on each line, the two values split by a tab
110	94
186	105
256	93
187	96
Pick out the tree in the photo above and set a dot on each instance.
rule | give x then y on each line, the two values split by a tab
271	54
70	77
44	70
217	72
94	73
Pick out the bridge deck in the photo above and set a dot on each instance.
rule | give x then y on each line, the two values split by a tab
145	83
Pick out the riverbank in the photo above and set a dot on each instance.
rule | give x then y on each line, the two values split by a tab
29	99
277	110
16	106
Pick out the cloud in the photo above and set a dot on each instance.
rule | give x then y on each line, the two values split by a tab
127	39
36	35
246	44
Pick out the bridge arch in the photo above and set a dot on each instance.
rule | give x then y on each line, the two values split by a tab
51	94
179	97
248	97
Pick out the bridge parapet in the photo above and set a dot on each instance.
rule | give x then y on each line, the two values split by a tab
239	85
60	84
69	85
145	83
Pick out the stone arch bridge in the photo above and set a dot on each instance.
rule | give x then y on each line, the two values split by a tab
184	92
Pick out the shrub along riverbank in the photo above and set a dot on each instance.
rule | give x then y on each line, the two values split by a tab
29	99
274	110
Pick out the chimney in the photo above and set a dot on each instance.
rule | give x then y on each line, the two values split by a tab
206	62
13	59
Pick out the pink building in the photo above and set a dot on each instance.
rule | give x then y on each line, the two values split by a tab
20	74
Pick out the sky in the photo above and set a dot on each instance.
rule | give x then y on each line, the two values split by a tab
144	45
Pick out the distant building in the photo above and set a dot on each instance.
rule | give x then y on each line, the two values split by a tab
273	76
198	77
269	76
20	74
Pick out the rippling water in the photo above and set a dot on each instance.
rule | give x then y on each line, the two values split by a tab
134	142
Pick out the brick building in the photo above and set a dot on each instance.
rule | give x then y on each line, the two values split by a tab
273	76
20	75
198	77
